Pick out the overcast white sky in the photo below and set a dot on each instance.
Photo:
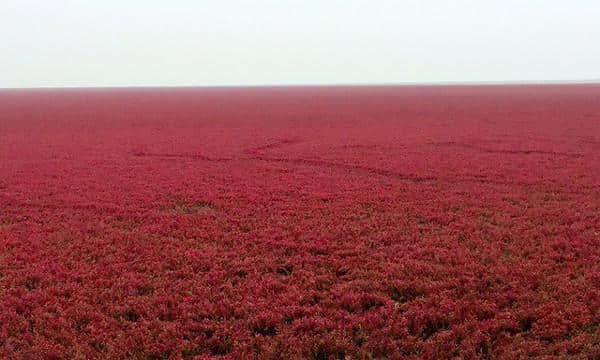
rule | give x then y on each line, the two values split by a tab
263	42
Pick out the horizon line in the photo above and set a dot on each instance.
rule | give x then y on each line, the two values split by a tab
292	85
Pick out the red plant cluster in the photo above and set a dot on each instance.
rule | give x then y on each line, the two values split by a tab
300	223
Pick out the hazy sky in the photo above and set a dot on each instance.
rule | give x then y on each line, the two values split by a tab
259	42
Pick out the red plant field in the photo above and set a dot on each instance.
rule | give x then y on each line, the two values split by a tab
300	223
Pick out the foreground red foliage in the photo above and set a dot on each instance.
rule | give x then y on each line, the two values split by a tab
320	223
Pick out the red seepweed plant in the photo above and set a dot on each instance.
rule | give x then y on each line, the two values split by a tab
323	223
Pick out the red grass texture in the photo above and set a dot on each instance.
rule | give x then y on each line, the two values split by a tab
300	223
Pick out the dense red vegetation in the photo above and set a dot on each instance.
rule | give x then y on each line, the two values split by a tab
344	223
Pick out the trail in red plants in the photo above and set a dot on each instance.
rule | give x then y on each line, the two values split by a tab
324	223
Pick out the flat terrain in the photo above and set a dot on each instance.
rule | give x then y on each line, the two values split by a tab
321	223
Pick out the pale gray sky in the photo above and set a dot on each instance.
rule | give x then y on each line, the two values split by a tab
263	42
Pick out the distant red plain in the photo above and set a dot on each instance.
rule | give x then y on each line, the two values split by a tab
302	222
